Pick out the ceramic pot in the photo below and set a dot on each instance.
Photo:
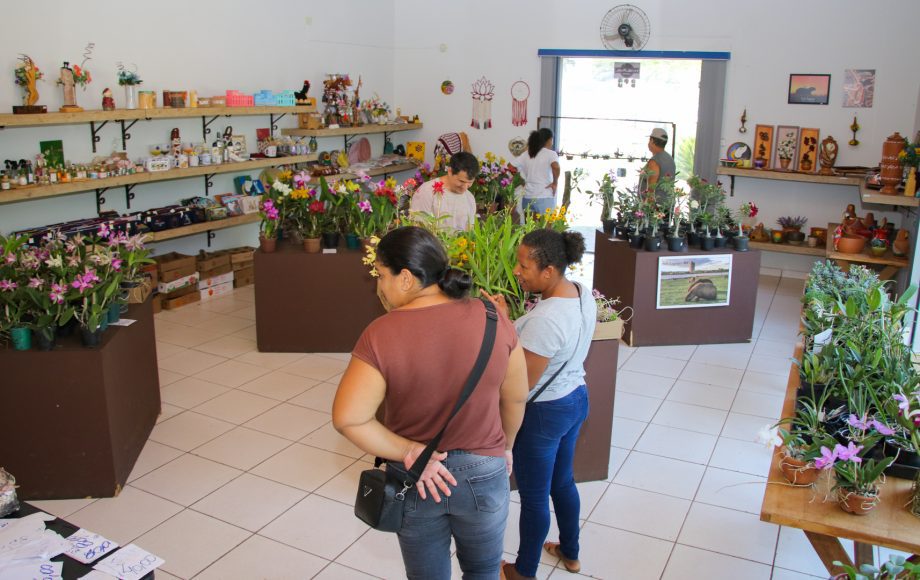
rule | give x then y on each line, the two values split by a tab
855	503
267	245
795	237
130	97
878	251
330	240
741	243
312	245
891	171
851	244
676	244
652	244
91	338
21	338
707	243
798	472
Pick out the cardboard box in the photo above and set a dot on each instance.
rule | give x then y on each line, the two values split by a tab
205	274
215	291
174	265
190	289
150	270
204	283
177	284
173	303
210	261
243	277
310	121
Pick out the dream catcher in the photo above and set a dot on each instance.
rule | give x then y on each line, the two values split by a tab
483	91
520	92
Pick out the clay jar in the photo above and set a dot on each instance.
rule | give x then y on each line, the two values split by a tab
851	244
797	471
891	167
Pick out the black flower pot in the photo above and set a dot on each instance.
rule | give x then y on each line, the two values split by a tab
707	243
652	244
741	243
67	329
719	241
693	239
623	232
330	239
44	338
91	338
676	244
636	240
609	226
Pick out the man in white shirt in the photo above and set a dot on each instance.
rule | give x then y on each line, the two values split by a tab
447	198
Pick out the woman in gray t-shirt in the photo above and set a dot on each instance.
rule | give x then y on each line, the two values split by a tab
555	335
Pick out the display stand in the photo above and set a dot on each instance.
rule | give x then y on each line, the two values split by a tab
312	302
632	275
77	418
592	451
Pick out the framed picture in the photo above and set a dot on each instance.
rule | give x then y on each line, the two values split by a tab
858	87
763	145
787	148
53	152
694	281
809	89
808	150
238	145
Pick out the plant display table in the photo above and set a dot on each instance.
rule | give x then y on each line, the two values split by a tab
592	451
312	302
632	275
76	419
890	524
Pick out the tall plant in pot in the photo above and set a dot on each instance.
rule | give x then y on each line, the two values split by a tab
604	196
746	212
675	198
798	440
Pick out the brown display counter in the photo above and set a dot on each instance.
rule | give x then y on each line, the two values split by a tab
312	302
632	275
75	419
592	451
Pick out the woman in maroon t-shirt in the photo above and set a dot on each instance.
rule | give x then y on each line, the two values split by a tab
416	358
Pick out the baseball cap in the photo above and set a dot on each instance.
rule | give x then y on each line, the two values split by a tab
659	133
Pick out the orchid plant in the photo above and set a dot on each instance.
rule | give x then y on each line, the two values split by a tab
747	210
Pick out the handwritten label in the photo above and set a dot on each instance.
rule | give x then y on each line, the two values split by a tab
821	339
89	547
32	570
130	563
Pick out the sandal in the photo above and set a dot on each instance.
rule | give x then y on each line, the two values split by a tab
509	572
552	548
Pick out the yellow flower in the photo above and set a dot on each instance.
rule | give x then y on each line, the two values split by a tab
300	194
285	175
462	242
464	257
501	161
390	182
352	186
490	157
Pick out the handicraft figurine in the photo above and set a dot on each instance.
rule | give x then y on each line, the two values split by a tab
828	156
27	74
108	102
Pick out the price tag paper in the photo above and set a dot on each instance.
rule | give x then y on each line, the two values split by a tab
89	547
130	563
32	570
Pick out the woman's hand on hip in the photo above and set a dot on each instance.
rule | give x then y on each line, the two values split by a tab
434	477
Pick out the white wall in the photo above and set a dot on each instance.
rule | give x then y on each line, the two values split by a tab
767	42
208	47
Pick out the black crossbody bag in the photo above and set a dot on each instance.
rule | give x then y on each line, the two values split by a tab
381	495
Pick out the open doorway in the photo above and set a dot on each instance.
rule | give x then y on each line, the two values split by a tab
606	110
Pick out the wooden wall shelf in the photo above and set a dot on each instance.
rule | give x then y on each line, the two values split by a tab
360	130
41	191
9	120
802	250
230	222
789	176
869	195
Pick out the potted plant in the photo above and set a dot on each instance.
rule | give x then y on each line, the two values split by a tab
792	228
606	189
674	197
856	474
306	213
654	216
268	227
722	219
609	320
747	211
800	442
878	246
893	568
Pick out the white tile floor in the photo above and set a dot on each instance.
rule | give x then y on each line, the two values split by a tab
244	477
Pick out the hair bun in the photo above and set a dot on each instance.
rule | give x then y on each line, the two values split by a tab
455	283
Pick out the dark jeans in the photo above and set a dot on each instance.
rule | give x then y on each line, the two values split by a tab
475	515
543	454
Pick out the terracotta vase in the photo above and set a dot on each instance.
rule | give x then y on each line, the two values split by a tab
851	245
901	246
891	167
312	245
267	245
798	472
855	503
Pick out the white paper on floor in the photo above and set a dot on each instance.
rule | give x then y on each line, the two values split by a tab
87	547
32	569
27	538
130	563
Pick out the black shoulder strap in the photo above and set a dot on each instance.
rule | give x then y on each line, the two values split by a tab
485	352
566	363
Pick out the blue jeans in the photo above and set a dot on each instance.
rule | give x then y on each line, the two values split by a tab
475	515
543	454
538	204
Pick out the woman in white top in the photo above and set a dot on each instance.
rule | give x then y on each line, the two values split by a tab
539	166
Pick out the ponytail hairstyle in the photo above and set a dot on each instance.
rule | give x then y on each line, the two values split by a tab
551	248
537	141
419	251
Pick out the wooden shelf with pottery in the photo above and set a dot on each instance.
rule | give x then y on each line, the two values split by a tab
388	170
359	130
784	248
98	116
889	262
869	195
202	227
789	176
41	191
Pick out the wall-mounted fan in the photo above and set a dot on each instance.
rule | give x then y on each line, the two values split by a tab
625	27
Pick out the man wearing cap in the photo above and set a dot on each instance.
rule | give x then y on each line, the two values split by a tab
659	166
